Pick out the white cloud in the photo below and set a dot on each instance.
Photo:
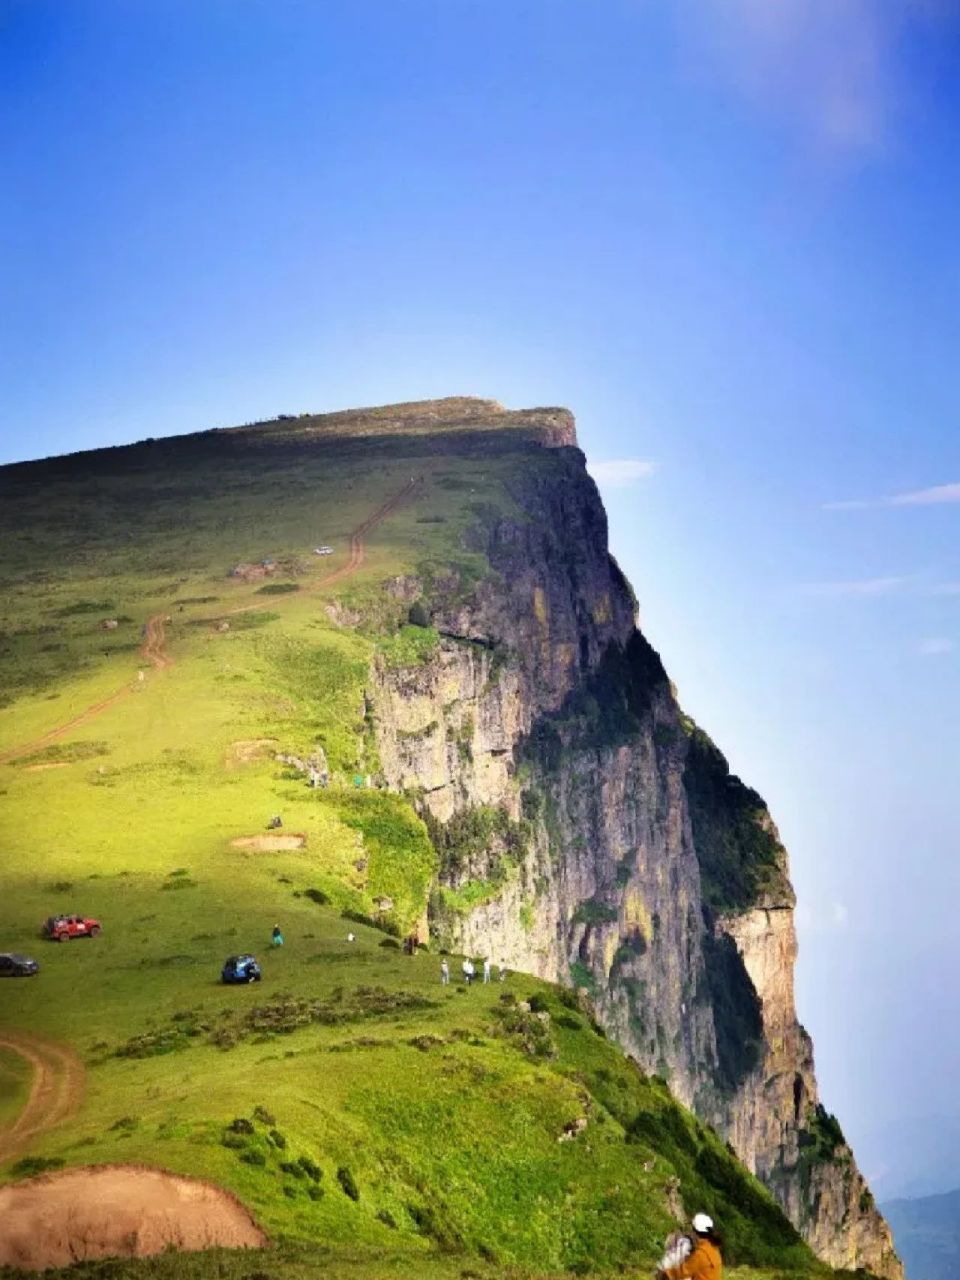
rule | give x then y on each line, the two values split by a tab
916	584
936	495
933	646
618	473
839	915
926	497
822	917
856	587
835	69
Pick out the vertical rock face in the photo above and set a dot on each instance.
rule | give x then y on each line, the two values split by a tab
590	833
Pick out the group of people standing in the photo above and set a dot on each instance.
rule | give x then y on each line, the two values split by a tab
469	970
410	945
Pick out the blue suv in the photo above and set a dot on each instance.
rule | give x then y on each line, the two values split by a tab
241	969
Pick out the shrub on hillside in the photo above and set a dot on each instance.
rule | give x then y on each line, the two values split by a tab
126	1124
310	1168
31	1165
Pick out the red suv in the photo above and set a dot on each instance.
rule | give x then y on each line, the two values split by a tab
63	928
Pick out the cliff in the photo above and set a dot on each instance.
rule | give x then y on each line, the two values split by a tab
590	833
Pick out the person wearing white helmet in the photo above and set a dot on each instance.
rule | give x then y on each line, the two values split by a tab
703	1262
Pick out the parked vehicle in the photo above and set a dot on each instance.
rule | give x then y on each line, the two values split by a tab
14	965
323	551
241	969
63	928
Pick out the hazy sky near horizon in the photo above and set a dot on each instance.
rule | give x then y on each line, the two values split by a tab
723	232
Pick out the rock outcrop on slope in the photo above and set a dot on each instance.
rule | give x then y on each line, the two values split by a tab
590	833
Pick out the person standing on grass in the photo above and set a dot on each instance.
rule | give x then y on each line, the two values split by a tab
444	973
276	939
468	971
486	971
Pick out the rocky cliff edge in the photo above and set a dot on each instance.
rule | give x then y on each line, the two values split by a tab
590	833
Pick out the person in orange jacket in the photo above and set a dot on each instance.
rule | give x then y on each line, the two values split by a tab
705	1262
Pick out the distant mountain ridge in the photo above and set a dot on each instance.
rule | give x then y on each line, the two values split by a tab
927	1231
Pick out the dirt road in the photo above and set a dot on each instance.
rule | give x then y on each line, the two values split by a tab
153	649
153	642
55	1091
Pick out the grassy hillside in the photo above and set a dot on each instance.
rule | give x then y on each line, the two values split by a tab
348	1099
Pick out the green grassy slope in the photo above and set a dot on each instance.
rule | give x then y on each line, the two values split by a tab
441	1108
14	1085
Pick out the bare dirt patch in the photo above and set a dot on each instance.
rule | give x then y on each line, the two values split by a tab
42	768
109	1211
246	751
269	844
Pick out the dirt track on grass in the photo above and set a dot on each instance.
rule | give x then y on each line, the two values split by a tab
108	1211
153	648
154	639
55	1091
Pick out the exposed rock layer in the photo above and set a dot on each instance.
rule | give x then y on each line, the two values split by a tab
605	842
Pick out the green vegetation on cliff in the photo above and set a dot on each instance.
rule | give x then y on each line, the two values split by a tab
741	859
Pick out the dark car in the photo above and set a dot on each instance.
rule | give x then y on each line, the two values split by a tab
14	965
241	969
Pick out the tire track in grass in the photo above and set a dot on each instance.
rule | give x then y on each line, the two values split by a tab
56	1089
154	639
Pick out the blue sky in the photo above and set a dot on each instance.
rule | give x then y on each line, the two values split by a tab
723	232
